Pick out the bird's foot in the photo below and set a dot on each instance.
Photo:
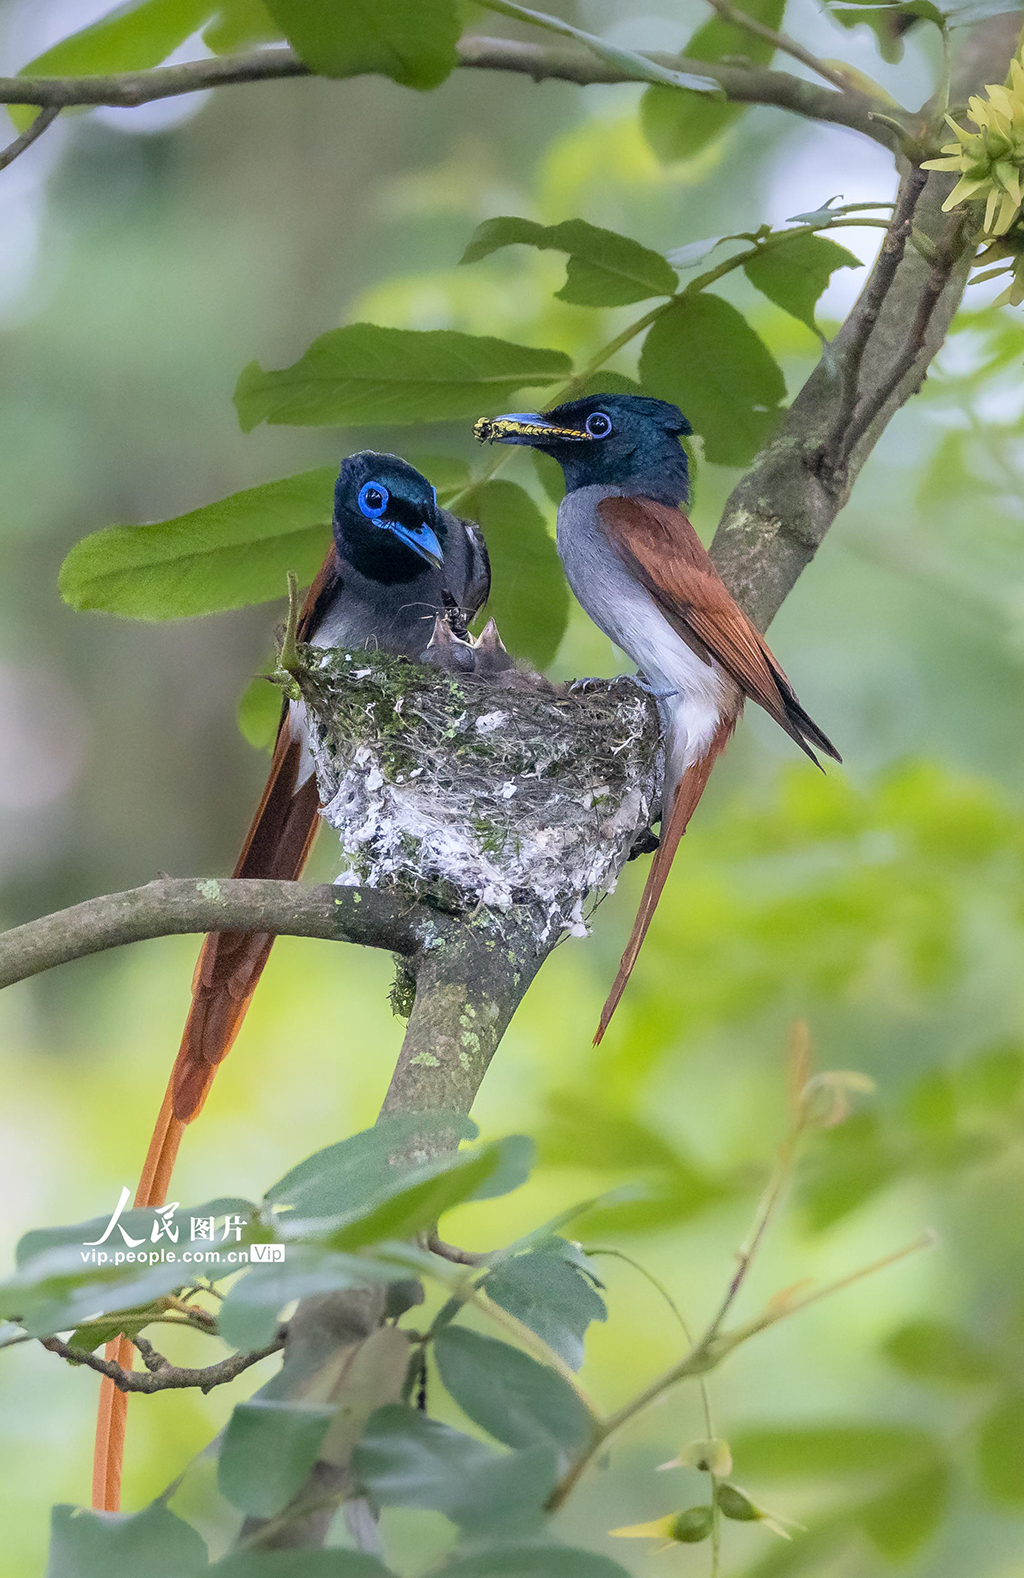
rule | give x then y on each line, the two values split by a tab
652	690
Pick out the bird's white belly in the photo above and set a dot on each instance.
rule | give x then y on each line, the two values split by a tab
700	692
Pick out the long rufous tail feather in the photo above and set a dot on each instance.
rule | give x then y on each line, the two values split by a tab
230	965
688	792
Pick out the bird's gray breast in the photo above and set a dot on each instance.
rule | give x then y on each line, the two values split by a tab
616	602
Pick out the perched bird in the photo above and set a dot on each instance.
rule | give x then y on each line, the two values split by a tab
641	572
400	570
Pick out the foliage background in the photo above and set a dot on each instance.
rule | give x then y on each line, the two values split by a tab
145	257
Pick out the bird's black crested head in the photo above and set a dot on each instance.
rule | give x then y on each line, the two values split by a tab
387	523
619	440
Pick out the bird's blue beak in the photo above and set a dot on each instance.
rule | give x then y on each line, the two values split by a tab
526	427
421	538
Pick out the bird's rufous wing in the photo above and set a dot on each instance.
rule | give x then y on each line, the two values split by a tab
663	552
230	964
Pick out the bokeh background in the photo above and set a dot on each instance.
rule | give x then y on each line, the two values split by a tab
145	257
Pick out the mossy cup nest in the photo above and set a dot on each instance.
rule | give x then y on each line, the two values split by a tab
475	790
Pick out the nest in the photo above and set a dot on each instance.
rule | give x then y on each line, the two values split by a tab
471	790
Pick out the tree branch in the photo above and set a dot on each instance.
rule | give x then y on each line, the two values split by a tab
779	513
176	905
781	41
742	84
164	1376
45	118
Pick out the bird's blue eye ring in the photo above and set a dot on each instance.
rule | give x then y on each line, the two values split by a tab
373	500
598	424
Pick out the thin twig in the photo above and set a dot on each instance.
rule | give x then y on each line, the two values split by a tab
45	118
781	41
166	1377
836	450
938	278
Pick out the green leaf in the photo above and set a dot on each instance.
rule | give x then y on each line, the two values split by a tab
267	1452
365	373
129	38
57	1285
259	713
605	269
907	1513
239	24
223	555
531	1561
364	1190
679	125
412	44
448	473
152	1543
354	1173
529	594
300	1564
551	1295
250	1314
405	1459
510	1395
794	273
812	1451
1001	1452
430	1192
702	355
932	1350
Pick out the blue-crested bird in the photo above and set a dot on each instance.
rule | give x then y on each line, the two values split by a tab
398	564
642	574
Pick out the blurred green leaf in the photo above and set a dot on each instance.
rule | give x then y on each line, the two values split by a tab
129	38
703	356
152	1543
670	1188
531	1561
267	1452
300	1564
794	273
678	124
848	1165
510	1395
908	1512
259	713
604	269
552	1295
239	24
405	1459
412	44
821	1450
529	599
365	373
933	1350
448	473
222	555
1001	1452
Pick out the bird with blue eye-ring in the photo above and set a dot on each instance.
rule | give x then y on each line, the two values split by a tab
373	500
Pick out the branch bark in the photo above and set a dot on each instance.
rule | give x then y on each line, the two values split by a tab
176	905
777	516
166	1377
541	62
